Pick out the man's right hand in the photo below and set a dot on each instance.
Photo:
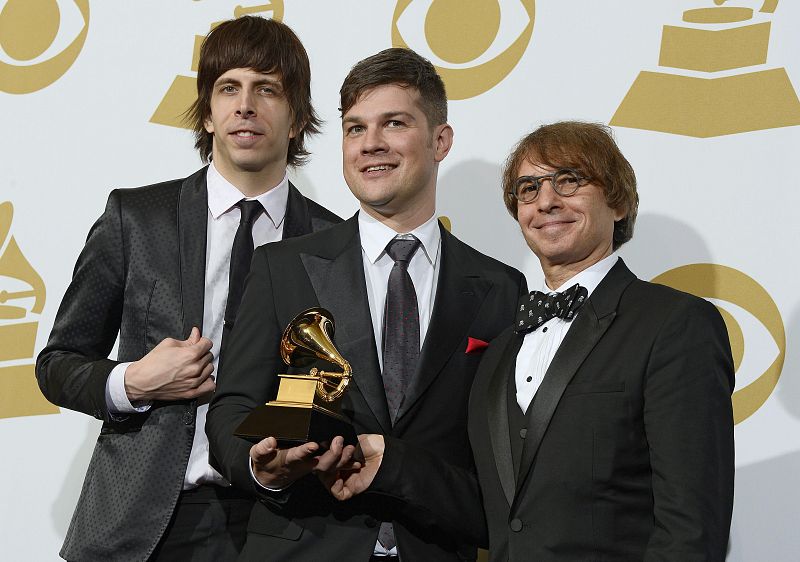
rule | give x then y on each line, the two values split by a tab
173	370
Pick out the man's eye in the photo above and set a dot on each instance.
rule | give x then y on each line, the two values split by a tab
228	89
355	129
527	187
394	123
267	90
568	181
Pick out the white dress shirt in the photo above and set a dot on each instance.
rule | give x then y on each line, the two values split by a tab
222	223
423	269
540	346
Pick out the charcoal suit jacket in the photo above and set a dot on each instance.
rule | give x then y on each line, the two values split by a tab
141	275
476	297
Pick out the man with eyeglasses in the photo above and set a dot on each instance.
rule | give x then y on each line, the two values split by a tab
601	421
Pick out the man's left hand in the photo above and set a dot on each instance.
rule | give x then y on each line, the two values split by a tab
347	478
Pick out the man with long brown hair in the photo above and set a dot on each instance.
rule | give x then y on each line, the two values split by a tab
163	265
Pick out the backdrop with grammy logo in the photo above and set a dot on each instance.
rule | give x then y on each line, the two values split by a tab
702	95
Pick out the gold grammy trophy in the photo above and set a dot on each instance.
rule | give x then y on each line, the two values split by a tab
308	406
715	80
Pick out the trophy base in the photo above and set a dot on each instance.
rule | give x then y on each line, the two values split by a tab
294	424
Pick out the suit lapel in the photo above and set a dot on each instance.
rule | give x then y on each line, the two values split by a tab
192	225
497	412
460	291
588	327
298	220
336	272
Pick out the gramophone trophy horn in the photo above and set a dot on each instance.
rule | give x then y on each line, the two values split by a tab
309	337
308	406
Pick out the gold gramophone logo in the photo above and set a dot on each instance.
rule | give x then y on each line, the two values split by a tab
33	51
22	295
183	91
466	40
736	290
734	92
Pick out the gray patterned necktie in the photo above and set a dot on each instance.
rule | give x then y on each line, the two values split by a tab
400	325
400	340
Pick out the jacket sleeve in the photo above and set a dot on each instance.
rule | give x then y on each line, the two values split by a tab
72	369
688	419
247	377
436	493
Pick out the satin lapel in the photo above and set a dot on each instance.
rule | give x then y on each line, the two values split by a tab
459	294
297	220
497	414
591	323
192	225
337	275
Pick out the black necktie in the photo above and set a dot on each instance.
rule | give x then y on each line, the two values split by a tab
537	307
400	340
241	256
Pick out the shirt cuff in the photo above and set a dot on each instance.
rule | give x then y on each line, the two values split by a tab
259	484
116	397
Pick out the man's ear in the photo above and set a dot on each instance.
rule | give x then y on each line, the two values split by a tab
443	140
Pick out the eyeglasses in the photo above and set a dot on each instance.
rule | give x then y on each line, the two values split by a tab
565	182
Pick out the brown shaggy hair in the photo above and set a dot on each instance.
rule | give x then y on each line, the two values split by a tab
263	45
588	148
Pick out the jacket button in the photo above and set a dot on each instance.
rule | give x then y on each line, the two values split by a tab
516	525
371	522
523	433
188	417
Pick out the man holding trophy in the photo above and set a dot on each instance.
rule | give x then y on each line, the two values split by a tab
413	306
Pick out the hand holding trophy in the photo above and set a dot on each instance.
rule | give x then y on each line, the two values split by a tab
308	406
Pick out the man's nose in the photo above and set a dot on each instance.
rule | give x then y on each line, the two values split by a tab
374	141
547	199
246	106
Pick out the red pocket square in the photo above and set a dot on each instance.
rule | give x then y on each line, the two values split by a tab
474	345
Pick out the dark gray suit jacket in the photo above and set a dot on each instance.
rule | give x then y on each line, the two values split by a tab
141	275
475	297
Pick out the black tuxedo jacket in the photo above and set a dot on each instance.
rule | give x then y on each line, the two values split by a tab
628	448
141	275
476	297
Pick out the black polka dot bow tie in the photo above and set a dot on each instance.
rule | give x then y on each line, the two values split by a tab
537	307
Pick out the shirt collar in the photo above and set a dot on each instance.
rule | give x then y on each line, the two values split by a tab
375	236
589	277
223	196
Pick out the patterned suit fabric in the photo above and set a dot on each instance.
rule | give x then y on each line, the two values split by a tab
140	275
